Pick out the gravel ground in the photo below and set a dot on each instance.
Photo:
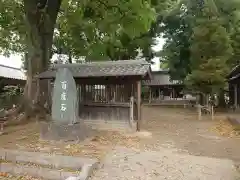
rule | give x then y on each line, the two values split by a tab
180	129
179	147
127	164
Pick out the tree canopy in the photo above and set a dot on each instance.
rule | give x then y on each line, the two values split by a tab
202	42
202	36
94	29
98	29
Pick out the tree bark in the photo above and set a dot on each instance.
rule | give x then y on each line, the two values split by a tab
41	18
70	57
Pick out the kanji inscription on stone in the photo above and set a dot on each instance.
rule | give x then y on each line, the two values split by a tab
64	100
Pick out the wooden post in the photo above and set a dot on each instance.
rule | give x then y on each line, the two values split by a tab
131	111
212	112
199	112
150	95
235	96
159	94
138	105
173	92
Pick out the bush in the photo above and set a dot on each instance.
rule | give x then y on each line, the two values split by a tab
10	96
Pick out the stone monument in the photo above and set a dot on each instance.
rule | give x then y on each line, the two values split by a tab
64	124
64	100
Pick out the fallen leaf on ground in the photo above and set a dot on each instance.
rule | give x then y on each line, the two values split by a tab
3	174
224	128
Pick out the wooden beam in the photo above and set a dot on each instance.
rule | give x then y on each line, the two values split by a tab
173	93
138	105
150	95
131	111
235	95
159	93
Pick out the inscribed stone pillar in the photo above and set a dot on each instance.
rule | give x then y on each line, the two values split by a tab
64	125
64	100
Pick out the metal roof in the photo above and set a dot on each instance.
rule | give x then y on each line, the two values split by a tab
103	69
160	78
11	73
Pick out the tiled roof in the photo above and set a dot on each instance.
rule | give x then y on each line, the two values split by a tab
235	73
11	72
160	78
103	69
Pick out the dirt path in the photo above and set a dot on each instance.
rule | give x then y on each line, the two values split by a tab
181	130
127	164
181	147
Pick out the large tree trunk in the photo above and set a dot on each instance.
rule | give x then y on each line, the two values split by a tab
41	18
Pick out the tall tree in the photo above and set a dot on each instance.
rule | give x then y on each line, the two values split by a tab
28	26
177	28
40	23
210	50
200	35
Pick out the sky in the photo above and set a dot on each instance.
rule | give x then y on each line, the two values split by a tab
160	42
15	59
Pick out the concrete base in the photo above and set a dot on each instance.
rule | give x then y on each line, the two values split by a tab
111	125
234	121
64	132
36	164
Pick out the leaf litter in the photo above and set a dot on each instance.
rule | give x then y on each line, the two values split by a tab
224	128
26	137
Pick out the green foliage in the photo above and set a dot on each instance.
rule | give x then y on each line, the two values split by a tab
11	26
209	38
95	29
9	96
210	50
117	29
209	77
104	29
202	42
177	30
9	91
98	30
235	41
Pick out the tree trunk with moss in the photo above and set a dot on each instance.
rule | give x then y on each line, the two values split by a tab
41	18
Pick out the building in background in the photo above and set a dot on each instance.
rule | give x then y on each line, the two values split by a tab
11	75
161	87
234	87
164	91
12	81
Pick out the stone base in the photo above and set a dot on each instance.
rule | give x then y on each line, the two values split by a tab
63	132
20	163
122	126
